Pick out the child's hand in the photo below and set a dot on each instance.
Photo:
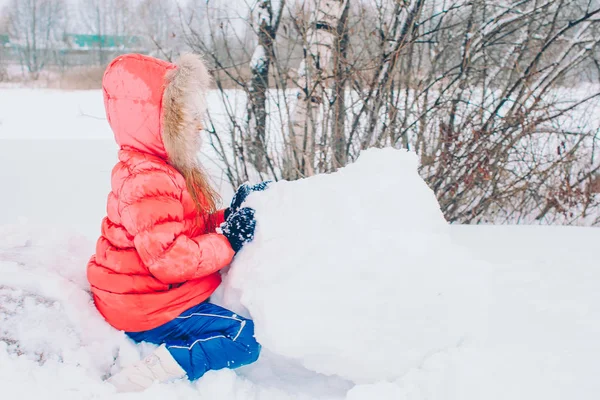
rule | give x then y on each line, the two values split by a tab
242	194
239	228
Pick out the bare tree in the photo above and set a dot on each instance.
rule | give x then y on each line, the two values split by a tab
3	39
104	18
158	21
341	76
35	25
314	76
483	91
266	22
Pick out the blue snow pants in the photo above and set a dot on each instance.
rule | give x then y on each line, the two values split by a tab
205	337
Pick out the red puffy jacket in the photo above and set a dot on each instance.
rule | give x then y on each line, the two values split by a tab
156	256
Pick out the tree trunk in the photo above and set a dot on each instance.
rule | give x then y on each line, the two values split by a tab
267	24
312	80
340	76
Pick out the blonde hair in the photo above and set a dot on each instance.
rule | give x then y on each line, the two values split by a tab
184	105
204	196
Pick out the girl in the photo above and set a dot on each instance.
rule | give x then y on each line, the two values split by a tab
157	261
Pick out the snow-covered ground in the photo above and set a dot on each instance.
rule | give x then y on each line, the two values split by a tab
359	289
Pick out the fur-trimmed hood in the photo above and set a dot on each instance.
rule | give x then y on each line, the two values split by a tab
155	106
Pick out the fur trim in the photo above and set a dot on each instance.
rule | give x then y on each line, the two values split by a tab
184	107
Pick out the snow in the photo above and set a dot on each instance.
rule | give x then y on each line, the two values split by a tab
259	58
375	248
48	114
340	280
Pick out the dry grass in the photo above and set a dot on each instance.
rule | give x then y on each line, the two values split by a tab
3	74
90	78
80	78
77	78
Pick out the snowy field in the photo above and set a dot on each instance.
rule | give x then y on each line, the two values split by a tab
358	287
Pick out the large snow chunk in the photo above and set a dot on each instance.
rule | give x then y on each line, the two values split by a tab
354	274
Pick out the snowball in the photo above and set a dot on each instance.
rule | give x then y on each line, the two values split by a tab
354	274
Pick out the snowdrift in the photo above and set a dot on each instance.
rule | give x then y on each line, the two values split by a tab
354	273
325	300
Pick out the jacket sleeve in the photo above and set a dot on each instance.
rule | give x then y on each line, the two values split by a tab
152	212
218	218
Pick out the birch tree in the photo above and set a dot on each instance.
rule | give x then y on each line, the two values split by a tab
497	98
313	78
